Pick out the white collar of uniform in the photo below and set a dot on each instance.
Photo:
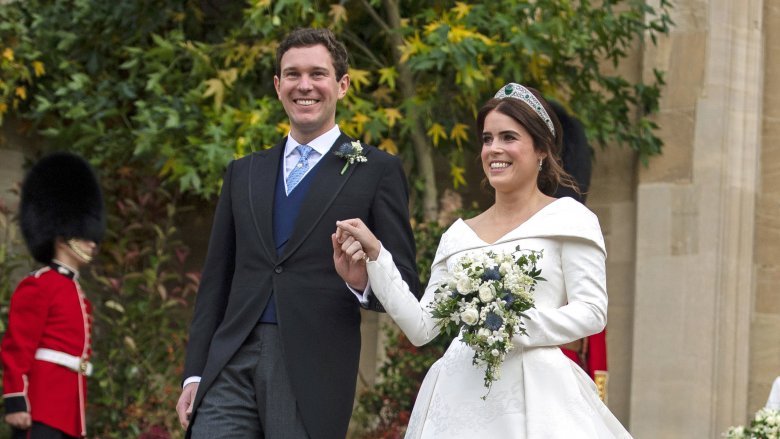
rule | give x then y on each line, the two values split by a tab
321	144
67	267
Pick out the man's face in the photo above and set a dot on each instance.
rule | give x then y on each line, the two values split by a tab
309	91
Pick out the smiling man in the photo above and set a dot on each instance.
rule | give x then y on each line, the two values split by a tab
275	338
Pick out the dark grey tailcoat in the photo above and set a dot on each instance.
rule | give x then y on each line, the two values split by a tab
318	317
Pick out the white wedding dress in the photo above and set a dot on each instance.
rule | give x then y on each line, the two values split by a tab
541	393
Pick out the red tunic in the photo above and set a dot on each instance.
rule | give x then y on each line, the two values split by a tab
593	359
48	310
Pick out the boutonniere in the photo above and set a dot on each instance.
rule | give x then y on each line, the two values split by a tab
352	152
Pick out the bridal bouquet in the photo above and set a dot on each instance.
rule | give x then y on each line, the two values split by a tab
765	425
485	299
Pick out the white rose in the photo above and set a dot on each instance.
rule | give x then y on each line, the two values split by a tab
469	316
465	285
483	333
494	352
505	268
737	432
486	293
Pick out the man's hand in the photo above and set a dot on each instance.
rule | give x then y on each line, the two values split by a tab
349	262
184	406
353	244
20	420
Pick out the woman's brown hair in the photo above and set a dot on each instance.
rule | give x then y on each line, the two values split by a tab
552	174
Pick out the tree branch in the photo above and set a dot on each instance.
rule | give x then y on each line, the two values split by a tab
385	27
406	85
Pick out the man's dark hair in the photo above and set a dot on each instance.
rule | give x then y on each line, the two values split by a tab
307	37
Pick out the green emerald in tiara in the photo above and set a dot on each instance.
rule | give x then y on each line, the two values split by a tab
517	91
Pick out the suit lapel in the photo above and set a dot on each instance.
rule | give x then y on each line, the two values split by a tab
263	171
326	185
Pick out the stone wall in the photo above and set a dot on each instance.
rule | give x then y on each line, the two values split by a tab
697	229
764	340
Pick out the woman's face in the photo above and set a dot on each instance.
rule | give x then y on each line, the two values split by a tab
509	158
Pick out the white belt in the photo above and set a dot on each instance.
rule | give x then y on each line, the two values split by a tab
72	362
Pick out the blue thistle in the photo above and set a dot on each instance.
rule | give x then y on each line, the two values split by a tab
491	274
344	149
509	298
493	321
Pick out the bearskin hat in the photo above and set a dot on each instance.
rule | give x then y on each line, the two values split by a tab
576	153
60	197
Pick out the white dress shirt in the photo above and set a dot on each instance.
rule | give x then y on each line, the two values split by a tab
321	146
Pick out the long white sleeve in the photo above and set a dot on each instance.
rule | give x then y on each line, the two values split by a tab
413	317
584	278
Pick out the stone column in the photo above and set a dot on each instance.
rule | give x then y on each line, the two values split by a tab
695	225
765	327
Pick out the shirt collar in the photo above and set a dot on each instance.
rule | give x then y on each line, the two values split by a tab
321	144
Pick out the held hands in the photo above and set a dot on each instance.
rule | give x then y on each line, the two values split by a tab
353	242
184	406
20	420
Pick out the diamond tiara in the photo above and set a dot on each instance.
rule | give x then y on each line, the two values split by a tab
517	91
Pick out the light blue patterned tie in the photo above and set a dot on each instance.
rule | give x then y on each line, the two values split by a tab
300	168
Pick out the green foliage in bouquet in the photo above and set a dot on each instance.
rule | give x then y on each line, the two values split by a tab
765	425
484	300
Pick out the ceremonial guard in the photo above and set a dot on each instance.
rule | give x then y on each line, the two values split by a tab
590	352
45	351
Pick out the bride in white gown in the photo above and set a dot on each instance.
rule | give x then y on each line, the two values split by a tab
541	393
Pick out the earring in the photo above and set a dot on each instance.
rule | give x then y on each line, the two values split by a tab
540	165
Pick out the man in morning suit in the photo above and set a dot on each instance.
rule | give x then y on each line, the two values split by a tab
275	338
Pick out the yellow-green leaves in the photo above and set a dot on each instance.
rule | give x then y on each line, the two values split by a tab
412	46
392	115
216	86
437	132
337	13
459	134
359	78
457	174
389	146
461	10
387	75
38	68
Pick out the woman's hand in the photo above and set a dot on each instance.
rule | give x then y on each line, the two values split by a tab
356	229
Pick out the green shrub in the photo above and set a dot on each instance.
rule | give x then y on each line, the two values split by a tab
142	298
383	411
